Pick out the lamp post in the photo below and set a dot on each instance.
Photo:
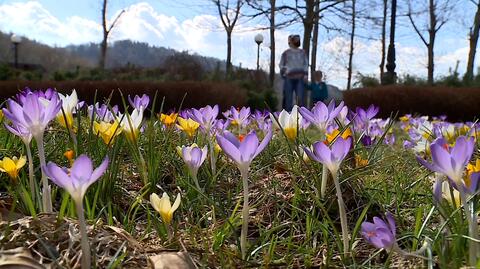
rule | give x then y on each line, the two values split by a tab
258	40
16	40
390	75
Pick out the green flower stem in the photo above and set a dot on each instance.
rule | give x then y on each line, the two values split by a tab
245	210
212	158
472	229
343	214
31	181
46	197
143	166
415	254
86	256
195	180
323	188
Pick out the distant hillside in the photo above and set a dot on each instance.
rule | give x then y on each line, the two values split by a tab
32	52
126	52
120	54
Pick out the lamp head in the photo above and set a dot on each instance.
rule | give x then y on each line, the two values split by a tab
16	39
259	39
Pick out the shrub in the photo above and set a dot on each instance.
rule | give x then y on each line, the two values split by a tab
365	81
183	66
197	94
457	103
6	72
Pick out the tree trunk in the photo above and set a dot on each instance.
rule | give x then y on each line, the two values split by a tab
431	44
308	25
384	35
473	44
272	41
103	45
313	61
229	54
350	56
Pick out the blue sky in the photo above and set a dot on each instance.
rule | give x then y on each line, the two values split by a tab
194	26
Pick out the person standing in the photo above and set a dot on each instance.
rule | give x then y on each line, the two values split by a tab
294	71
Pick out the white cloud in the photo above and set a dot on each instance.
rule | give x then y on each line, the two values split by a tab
33	20
203	34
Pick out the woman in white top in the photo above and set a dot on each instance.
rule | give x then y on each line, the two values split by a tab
294	70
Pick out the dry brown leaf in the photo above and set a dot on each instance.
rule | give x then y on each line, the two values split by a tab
171	260
18	258
125	235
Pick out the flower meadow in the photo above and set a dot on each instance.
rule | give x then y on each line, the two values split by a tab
112	185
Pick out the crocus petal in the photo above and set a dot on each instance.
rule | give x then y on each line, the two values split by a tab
82	169
322	152
58	176
176	204
391	223
155	201
229	148
99	171
248	147
441	158
264	143
462	151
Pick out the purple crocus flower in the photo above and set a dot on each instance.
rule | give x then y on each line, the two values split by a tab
33	114
193	156
79	178
243	152
239	117
76	182
139	103
450	161
102	112
21	132
380	234
367	140
206	116
390	139
331	158
369	114
321	115
362	117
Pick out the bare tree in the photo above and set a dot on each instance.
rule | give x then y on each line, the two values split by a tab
307	13
384	34
352	39
229	15
106	32
438	14
473	40
316	21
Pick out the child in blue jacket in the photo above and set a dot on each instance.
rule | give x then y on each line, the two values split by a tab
318	88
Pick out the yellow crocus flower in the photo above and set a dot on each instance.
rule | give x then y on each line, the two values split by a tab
68	119
217	148
1	115
189	126
168	119
11	166
471	168
359	161
331	136
70	155
164	207
108	131
404	118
